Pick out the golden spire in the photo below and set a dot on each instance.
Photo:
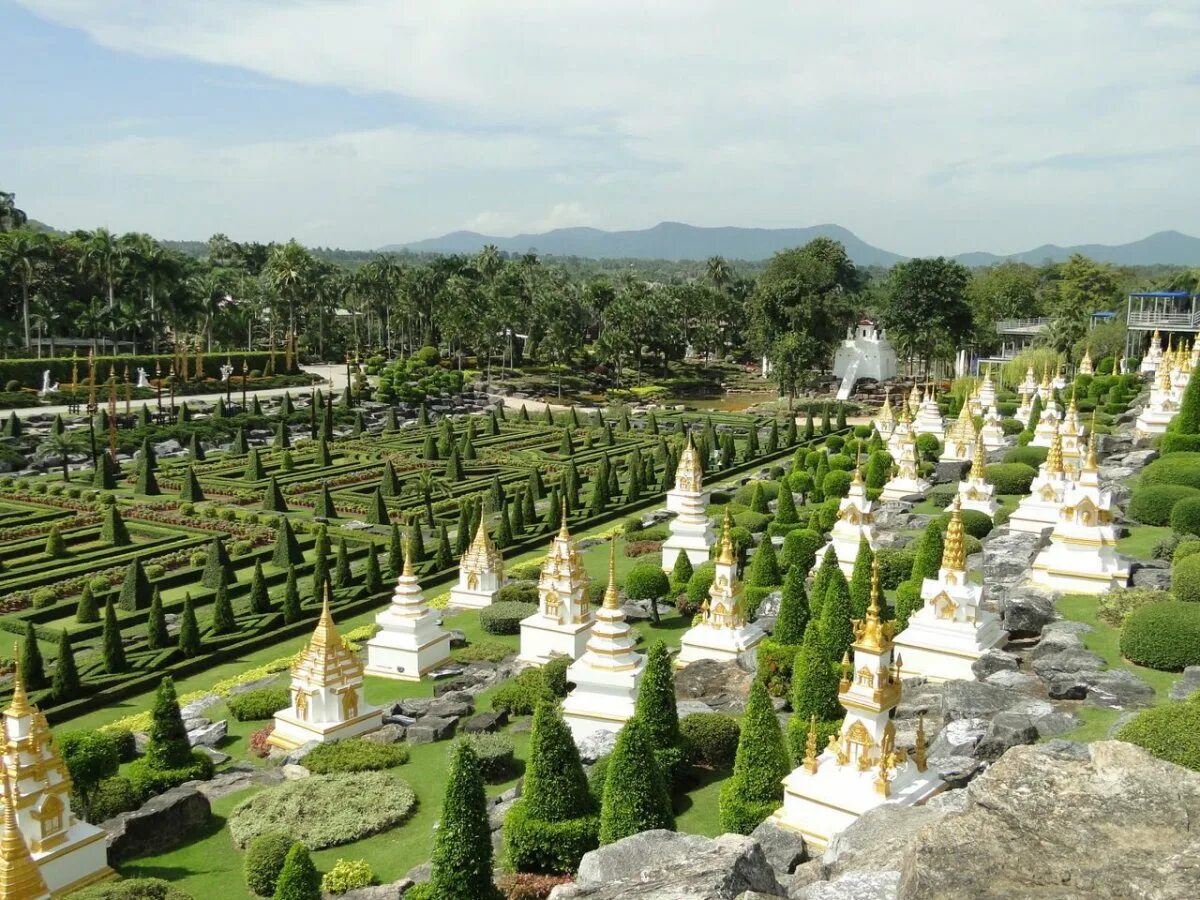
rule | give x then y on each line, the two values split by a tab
611	596
954	555
977	461
726	558
20	701
919	744
1054	463
19	874
869	632
1164	374
1046	376
810	746
1090	464
409	570
887	401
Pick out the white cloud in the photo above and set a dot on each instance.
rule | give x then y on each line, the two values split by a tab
931	126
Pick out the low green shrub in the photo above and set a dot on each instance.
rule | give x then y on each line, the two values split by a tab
752	521
148	782
975	523
1185	578
505	617
1173	468
521	695
711	739
1029	456
354	755
517	592
132	889
895	566
263	861
324	810
535	845
1170	732
258	703
347	875
112	797
1185	516
1116	606
1010	478
495	752
1183	549
1164	636
1179	443
941	495
1152	504
482	651
529	571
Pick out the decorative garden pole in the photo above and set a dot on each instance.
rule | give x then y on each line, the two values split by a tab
112	412
312	411
92	405
245	373
171	382
128	393
73	404
158	389
229	381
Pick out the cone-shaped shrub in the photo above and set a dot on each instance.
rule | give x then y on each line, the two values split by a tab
504	536
168	747
860	580
566	446
816	597
681	572
764	567
282	439
443	557
254	469
372	579
837	632
928	558
196	449
656	711
291	598
103	477
287	549
56	547
156	625
429	448
814	681
324	507
87	610
286	406
299	878
147	483
453	467
756	788
66	676
322	456
785	509
189	490
390	424
341	568
377	512
222	614
462	845
240	445
273	497
635	794
260	600
112	528
395	553
112	650
136	592
33	667
217	568
189	629
793	617
320	574
389	485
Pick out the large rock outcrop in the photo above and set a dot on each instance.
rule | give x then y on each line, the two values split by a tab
162	823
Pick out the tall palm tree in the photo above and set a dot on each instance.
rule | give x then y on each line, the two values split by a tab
45	314
426	484
94	319
21	249
131	318
101	254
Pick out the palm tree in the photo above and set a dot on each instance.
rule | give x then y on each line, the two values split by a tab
101	254
62	445
94	319
718	272
131	317
45	314
211	291
426	484
21	249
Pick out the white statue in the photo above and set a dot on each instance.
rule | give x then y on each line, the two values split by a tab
47	387
143	381
226	371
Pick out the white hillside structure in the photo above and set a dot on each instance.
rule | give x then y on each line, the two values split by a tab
865	353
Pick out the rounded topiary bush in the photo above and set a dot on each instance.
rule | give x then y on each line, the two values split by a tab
354	755
1010	478
895	566
132	889
752	521
975	523
495	752
1173	468
1163	636
1185	578
1152	504
1176	443
836	483
1170	732
711	739
325	810
505	618
1184	549
518	591
259	703
1029	456
699	583
264	861
1185	516
800	547
647	581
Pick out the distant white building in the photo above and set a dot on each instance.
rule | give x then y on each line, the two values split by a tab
865	353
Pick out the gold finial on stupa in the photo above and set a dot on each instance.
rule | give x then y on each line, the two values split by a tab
954	556
726	558
19	874
409	569
1090	464
869	633
612	599
810	746
1054	463
1164	374
562	529
977	460
919	744
19	706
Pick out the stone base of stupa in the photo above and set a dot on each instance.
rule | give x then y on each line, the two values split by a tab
903	488
821	805
1034	516
698	548
406	657
993	437
543	638
1083	571
981	502
602	699
679	501
706	641
471	599
1151	424
944	651
80	860
291	732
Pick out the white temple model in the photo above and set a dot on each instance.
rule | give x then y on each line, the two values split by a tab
906	482
1038	512
66	853
865	353
855	522
327	692
722	633
975	491
951	630
1082	556
1047	424
1025	407
410	643
607	676
1085	364
19	874
959	442
1059	381
480	572
563	619
902	428
1149	364
987	389
862	767
1161	409
992	432
885	420
1072	439
1030	384
929	416
691	533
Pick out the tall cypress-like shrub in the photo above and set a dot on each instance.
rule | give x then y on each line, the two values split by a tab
814	682
836	613
86	609
260	599
756	788
189	629
816	597
168	747
112	527
395	553
66	675
372	579
291	598
635	793
273	497
287	550
764	566
928	558
443	557
156	624
33	667
223	621
136	592
793	618
860	580
218	569
113	651
377	512
462	846
324	507
189	489
341	568
785	509
254	468
656	710
681	572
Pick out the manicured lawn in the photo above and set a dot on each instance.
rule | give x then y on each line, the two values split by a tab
1142	539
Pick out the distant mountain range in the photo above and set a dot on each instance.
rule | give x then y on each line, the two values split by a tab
676	241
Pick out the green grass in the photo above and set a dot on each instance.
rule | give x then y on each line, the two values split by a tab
1142	539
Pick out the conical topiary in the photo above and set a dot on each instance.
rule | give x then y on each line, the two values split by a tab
223	621
656	710
814	681
291	598
377	511
55	547
764	566
136	592
928	557
218	569
189	629
395	552
462	845
372	579
816	597
168	747
33	667
793	617
282	439
287	550
196	448
113	651
66	675
189	489
635	793
254	469
324	507
156	624
240	445
756	788
112	527
837	630
860	580
341	568
389	484
86	609
260	600
298	879
681	572
273	497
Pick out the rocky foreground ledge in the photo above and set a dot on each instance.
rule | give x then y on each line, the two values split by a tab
1053	820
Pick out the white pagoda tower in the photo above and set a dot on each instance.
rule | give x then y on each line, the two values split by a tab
327	692
723	633
900	430
607	676
952	630
976	492
1025	408
907	481
1161	409
67	853
862	767
1072	438
959	440
929	416
410	642
992	432
1154	352
885	421
987	389
855	521
1085	364
1082	557
1030	384
19	874
1047	425
690	529
480	572
563	619
1038	511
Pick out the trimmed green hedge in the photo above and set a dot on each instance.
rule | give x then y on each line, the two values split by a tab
354	755
1173	468
1010	478
505	618
495	752
1185	516
258	704
148	782
895	566
1029	456
711	739
535	845
1164	636
1170	732
1152	504
1179	443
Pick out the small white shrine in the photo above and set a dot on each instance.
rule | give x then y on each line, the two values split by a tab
563	619
865	353
987	389
1025	407
992	432
906	481
1059	381
690	530
480	572
959	441
951	630
410	643
862	767
1047	425
1082	556
1072	438
929	416
900	430
327	692
722	633
1149	364
1030	384
1085	364
607	676
855	522
1161	409
885	419
66	853
1039	510
975	491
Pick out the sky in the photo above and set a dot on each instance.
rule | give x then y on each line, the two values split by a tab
927	127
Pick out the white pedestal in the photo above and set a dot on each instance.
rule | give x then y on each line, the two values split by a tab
407	655
602	699
291	732
542	637
1035	515
723	644
1079	569
691	533
900	488
978	495
944	651
678	500
80	860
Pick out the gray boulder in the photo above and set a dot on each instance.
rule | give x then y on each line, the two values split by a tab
208	735
1007	554
1026	610
388	734
1188	683
1118	689
1020	681
994	661
484	723
431	728
975	700
596	745
1150	577
959	738
853	886
722	686
784	849
162	823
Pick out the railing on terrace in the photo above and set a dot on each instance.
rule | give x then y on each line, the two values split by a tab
1029	326
1167	321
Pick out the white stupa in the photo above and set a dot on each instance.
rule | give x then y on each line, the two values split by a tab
58	853
1082	556
929	416
1073	444
1158	413
900	430
607	676
480	572
1149	363
691	532
906	482
327	692
952	629
1025	407
959	441
862	767
855	521
992	432
1085	364
1039	510
1030	384
987	389
410	643
975	491
1050	418
1059	381
885	419
563	619
722	633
